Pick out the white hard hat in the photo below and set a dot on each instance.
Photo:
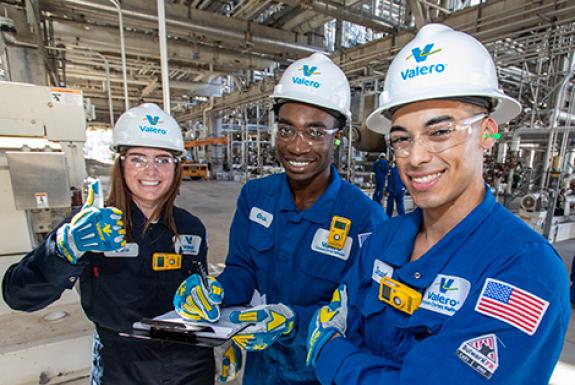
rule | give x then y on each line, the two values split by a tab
440	63
147	125
315	80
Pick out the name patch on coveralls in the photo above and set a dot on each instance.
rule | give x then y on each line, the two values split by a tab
480	354
446	294
319	244
380	270
188	244
262	217
131	250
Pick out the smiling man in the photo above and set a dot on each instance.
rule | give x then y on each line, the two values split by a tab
460	291
294	235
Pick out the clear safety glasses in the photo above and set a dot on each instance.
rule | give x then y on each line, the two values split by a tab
436	138
310	135
137	161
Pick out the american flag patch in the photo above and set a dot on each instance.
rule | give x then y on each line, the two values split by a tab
509	304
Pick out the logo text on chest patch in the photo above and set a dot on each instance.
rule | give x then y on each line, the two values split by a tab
188	244
319	244
446	294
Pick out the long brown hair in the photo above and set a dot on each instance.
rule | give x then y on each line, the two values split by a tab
121	198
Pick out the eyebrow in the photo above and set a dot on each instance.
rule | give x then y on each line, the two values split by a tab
144	155
430	122
309	124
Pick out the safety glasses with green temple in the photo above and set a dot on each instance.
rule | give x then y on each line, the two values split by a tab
435	138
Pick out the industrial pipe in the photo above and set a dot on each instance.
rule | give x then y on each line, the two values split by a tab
164	55
559	101
201	28
123	52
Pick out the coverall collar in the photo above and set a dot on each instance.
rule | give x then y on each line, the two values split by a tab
139	219
320	211
422	272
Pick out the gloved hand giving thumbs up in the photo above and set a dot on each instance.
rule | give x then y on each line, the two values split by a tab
95	228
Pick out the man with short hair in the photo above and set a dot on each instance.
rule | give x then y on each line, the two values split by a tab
294	235
460	291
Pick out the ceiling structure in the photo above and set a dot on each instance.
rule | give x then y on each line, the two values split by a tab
235	49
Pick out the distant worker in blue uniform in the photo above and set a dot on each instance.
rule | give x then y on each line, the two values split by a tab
381	169
294	235
460	291
395	192
128	256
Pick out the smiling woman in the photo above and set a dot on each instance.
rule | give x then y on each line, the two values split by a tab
121	286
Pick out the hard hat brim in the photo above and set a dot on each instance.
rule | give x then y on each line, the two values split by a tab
506	109
304	98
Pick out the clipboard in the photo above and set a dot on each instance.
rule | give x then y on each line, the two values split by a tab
171	327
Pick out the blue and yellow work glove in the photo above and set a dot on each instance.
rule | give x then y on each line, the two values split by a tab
326	322
270	323
231	364
95	228
198	301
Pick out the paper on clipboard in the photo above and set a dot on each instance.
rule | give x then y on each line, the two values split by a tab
170	326
223	329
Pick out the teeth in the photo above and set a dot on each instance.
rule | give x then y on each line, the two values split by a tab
426	178
149	183
298	164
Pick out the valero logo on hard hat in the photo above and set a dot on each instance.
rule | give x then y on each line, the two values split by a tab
307	72
152	120
420	56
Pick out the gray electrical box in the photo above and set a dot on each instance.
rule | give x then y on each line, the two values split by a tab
39	179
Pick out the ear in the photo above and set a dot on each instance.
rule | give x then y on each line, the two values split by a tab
490	133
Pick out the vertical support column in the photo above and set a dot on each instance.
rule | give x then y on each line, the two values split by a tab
123	53
164	55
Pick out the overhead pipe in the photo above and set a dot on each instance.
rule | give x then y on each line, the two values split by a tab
164	55
339	11
122	52
200	28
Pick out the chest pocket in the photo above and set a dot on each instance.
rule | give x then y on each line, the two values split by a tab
260	238
324	267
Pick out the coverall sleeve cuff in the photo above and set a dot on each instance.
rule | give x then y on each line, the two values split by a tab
331	358
298	336
57	271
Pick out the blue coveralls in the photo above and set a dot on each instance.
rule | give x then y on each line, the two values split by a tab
381	169
446	341
116	292
572	276
396	191
282	252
